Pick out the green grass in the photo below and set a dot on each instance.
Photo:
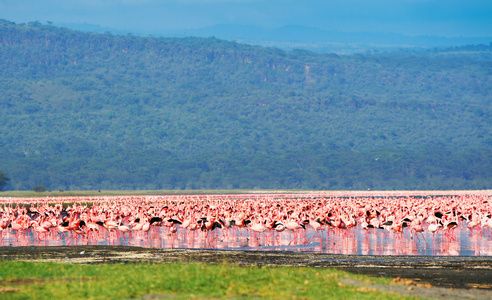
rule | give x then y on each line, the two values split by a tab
29	194
28	280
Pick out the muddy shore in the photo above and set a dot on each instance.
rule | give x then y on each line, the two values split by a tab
441	277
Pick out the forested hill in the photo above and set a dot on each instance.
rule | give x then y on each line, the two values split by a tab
99	111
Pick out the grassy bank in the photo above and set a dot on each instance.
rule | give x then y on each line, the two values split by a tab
27	280
95	193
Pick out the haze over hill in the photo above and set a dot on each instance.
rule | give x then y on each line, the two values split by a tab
301	37
346	26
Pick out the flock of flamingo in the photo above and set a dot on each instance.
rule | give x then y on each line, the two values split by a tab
297	219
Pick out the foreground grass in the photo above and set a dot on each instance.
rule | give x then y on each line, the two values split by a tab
27	280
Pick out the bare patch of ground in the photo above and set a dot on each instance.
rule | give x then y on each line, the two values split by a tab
409	287
429	277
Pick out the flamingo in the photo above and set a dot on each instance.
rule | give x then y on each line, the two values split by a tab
293	226
433	227
39	229
317	226
124	229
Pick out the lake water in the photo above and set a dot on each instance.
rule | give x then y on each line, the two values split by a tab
356	241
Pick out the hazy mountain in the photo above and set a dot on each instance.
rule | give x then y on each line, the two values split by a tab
80	110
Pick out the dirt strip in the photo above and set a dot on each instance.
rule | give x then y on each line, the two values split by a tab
424	276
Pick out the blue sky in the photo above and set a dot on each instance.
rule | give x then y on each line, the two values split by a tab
449	18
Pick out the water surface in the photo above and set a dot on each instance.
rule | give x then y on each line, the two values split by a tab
354	241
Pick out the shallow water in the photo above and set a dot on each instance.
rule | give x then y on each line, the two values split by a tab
355	241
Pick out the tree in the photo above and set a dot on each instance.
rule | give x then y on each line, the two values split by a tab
39	188
4	180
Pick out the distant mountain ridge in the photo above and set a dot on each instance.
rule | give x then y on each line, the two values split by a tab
80	110
308	38
304	34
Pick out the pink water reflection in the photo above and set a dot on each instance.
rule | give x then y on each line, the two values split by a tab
355	241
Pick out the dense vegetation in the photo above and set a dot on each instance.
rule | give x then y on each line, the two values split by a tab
99	111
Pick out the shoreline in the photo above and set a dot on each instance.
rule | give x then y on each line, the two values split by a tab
464	272
438	277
